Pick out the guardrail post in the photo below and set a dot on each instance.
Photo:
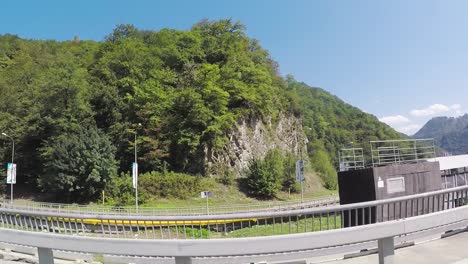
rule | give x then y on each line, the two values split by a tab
46	256
386	250
182	260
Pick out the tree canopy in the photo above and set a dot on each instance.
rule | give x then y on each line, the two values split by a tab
188	89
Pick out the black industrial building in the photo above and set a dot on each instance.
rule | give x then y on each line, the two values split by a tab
392	174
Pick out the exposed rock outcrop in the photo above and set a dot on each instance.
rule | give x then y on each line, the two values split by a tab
254	138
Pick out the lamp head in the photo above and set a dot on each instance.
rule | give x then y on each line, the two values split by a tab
5	134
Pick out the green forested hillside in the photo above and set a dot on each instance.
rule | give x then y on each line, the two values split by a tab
73	107
331	124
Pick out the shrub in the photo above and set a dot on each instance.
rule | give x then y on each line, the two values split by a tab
265	176
289	166
225	175
120	192
322	164
173	185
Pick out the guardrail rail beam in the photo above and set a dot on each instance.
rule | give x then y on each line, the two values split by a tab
269	235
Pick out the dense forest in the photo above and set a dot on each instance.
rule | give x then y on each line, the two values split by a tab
331	124
73	107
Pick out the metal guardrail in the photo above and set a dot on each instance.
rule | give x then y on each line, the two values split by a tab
189	210
398	217
232	225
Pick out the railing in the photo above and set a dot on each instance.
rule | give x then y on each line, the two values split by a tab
385	152
233	225
189	210
47	230
266	235
351	159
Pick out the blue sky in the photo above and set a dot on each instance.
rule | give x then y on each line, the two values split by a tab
403	61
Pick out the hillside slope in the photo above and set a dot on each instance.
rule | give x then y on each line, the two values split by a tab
449	133
331	124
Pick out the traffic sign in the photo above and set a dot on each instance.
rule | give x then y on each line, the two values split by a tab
11	173
300	170
205	194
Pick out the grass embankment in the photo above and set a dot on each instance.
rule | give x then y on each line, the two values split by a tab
254	229
294	226
226	195
246	228
223	195
229	195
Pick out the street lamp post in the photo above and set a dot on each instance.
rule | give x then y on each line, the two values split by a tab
136	169
12	162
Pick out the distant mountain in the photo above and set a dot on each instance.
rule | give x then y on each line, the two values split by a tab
449	133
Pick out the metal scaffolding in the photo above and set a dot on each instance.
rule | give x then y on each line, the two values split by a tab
386	152
351	159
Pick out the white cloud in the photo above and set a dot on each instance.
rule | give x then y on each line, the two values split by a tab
394	120
436	109
401	124
457	110
410	126
456	107
409	129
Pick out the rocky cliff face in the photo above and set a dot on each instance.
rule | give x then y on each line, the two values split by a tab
254	138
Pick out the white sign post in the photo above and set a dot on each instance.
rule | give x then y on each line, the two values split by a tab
300	176
11	177
135	182
135	175
206	195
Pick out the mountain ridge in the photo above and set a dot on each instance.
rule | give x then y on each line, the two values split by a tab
449	133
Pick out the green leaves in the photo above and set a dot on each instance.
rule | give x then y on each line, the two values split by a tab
77	165
331	124
266	176
188	88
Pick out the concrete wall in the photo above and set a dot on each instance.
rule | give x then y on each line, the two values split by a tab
416	178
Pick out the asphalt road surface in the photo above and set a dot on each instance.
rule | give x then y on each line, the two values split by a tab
450	250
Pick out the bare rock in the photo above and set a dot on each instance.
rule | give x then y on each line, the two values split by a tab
254	138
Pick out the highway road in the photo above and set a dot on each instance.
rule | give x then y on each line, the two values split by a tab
450	250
